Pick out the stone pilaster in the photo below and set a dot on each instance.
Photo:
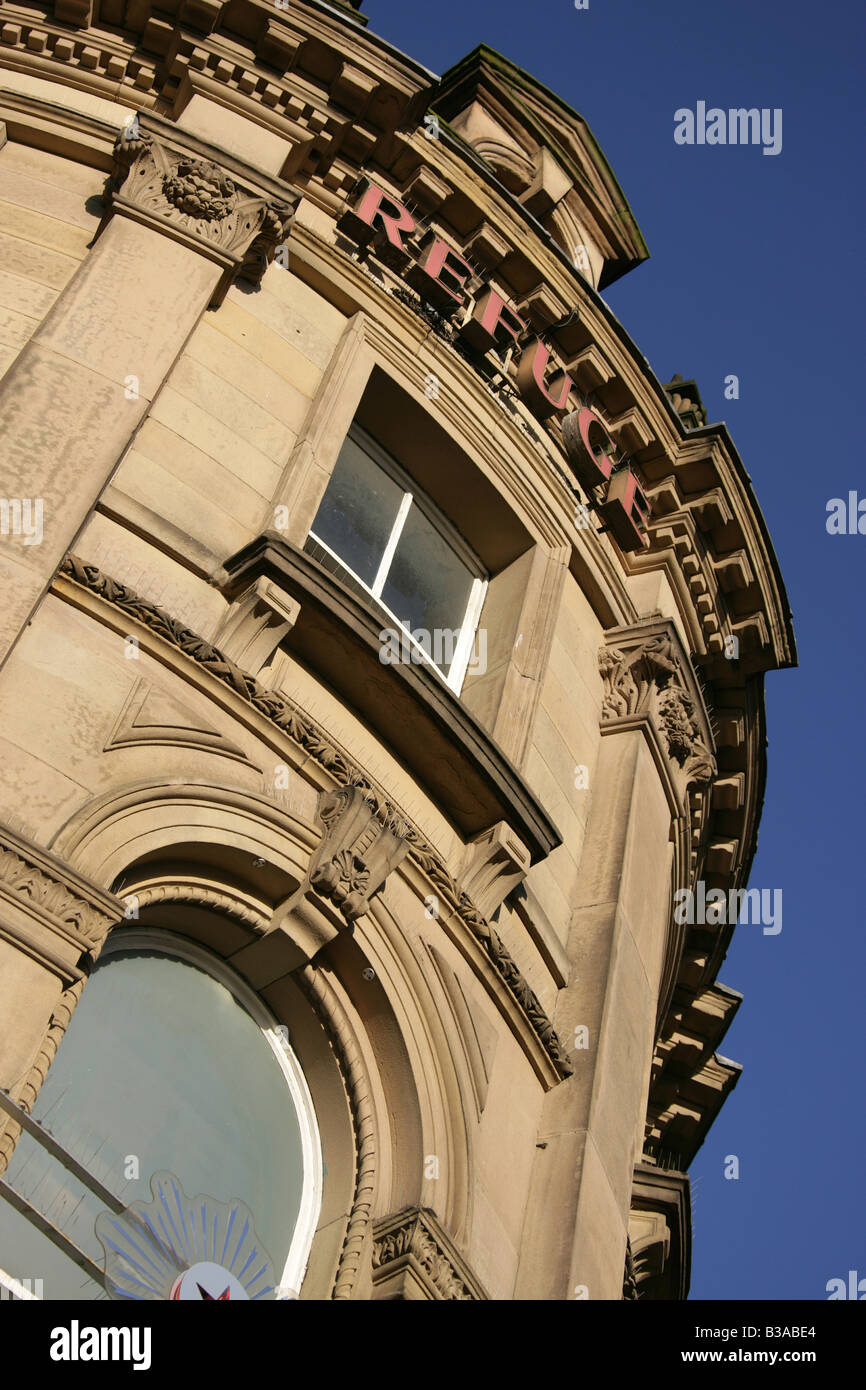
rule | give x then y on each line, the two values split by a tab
656	750
178	227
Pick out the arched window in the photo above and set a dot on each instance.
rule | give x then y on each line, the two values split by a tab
170	1063
382	535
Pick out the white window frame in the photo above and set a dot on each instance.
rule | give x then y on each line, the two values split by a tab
169	943
469	624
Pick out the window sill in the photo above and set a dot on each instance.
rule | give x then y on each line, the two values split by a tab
409	707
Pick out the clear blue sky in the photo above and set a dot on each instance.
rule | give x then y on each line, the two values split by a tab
755	269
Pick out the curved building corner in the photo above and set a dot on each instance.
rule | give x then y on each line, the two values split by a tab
381	670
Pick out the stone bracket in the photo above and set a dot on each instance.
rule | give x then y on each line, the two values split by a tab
350	865
256	624
496	861
357	852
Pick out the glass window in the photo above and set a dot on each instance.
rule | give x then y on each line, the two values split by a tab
165	1067
377	532
358	512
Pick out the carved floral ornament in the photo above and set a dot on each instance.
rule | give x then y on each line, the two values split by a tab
645	674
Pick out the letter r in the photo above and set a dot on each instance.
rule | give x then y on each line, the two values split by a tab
376	211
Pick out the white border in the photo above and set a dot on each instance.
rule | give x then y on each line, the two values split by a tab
172	944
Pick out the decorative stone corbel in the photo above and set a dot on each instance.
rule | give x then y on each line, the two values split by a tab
414	1259
178	191
496	861
256	624
357	852
350	865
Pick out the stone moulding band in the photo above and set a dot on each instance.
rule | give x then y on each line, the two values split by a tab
315	742
327	1004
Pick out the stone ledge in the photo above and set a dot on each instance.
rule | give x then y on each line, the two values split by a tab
427	727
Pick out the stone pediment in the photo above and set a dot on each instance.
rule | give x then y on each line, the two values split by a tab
546	155
152	717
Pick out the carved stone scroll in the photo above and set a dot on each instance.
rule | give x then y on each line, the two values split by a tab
357	852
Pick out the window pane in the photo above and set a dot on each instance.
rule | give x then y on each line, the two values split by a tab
358	511
429	586
162	1063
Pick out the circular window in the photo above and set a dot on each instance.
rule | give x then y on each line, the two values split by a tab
170	1063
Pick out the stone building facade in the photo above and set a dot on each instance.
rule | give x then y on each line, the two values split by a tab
382	649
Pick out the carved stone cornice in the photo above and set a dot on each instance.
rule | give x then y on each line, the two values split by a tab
76	913
294	722
413	1258
176	189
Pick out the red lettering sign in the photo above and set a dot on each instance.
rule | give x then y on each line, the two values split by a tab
626	510
491	323
591	467
376	214
543	398
440	276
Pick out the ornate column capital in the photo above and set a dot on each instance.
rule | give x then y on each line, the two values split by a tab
48	910
227	211
649	680
414	1259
